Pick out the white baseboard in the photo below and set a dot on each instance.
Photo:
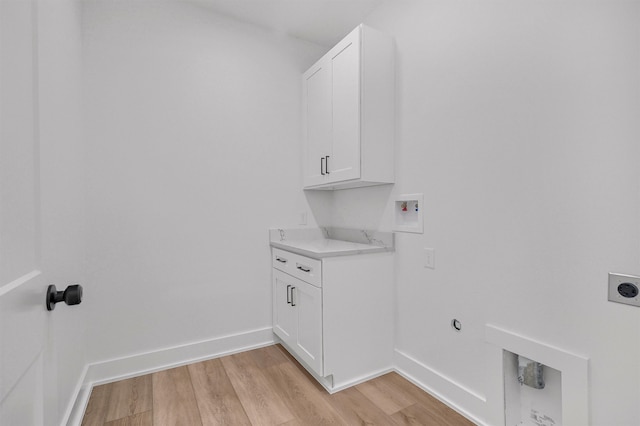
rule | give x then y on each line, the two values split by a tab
135	365
149	362
75	409
469	403
344	385
328	382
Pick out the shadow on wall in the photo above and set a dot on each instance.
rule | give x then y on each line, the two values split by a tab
362	208
321	206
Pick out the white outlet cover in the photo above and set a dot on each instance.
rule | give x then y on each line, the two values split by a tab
429	258
615	280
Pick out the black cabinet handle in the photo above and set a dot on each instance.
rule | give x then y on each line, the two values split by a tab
288	299
281	259
322	166
303	268
292	302
326	164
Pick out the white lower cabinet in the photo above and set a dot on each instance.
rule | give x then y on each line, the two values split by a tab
335	315
284	316
297	317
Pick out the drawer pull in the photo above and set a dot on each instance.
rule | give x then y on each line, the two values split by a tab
293	303
326	164
322	166
281	259
288	298
303	268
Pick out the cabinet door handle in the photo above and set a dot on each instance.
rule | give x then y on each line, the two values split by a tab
288	298
326	164
304	268
281	259
322	166
292	301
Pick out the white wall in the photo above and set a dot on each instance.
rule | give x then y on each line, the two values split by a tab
62	194
519	123
193	137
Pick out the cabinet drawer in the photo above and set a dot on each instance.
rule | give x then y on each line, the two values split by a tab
305	268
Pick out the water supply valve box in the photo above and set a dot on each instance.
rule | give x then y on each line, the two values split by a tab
407	213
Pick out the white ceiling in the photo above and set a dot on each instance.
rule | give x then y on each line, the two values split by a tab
324	22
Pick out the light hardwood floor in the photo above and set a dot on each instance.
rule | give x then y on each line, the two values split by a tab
261	387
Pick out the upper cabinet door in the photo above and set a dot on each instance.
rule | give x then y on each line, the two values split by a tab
344	162
317	126
348	112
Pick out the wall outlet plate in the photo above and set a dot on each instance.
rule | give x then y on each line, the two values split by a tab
429	258
624	289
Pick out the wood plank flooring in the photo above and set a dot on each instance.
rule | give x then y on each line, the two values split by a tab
261	387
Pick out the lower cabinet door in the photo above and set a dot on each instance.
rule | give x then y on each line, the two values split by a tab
297	318
308	304
284	314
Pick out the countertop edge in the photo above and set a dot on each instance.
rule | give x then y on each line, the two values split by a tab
315	255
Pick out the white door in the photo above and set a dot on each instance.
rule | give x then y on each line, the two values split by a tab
307	301
23	317
284	322
344	163
317	124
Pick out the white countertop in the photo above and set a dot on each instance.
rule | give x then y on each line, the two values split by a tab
319	248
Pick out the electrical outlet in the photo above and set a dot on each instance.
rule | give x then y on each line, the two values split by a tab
429	258
624	289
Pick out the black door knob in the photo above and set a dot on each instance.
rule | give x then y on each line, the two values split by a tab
72	295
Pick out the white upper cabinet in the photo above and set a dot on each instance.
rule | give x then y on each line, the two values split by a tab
348	114
318	123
